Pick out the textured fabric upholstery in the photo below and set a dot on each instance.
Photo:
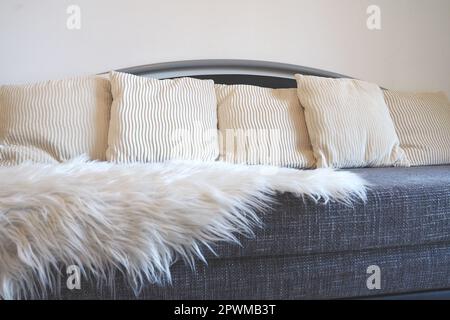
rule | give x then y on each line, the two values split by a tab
323	251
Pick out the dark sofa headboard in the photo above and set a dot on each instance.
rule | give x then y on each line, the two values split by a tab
259	73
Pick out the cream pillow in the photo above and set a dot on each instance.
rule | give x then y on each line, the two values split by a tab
349	123
422	121
262	126
157	120
54	121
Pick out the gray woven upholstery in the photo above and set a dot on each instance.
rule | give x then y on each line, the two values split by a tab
406	206
321	276
309	250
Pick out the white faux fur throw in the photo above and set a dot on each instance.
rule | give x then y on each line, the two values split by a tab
136	218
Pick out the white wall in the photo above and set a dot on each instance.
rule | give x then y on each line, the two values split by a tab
412	51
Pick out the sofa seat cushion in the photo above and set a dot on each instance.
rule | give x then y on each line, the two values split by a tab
405	207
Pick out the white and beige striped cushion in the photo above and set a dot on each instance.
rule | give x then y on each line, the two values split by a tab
262	126
349	123
422	121
54	121
157	120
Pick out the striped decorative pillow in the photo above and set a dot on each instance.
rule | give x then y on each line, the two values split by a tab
54	121
157	120
422	121
349	123
262	126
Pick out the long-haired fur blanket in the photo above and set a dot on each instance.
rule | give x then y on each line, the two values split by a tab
137	218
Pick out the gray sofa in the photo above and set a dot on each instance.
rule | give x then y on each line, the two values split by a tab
308	250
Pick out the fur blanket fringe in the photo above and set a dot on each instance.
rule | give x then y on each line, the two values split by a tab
137	218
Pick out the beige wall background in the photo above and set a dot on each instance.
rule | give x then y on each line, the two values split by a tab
410	52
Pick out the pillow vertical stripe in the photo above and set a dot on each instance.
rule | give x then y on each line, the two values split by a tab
349	123
157	120
262	126
54	121
422	121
